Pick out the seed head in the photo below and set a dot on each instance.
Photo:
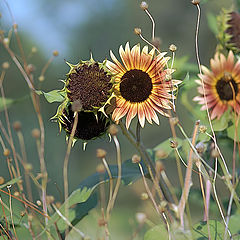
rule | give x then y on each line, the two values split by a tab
144	196
6	152
5	65
195	2
39	203
113	130
201	147
214	153
23	213
101	153
50	199
17	126
2	180
173	144
202	129
144	6
36	133
16	194
28	167
55	53
137	31
136	158
172	48
31	68
41	78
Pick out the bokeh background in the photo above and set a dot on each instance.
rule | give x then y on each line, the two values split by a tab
77	28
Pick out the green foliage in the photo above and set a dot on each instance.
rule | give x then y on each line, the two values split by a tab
232	130
160	232
53	96
234	225
83	199
217	230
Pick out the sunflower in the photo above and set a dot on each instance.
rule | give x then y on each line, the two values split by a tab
141	84
221	84
90	83
89	126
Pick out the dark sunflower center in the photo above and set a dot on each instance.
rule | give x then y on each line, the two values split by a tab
88	127
90	84
227	88
135	86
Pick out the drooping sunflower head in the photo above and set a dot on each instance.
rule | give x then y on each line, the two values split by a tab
229	30
89	126
221	85
141	84
90	83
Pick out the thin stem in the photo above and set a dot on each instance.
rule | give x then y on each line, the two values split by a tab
118	183
66	160
153	23
187	182
11	213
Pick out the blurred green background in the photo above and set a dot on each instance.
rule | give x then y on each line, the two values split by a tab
77	28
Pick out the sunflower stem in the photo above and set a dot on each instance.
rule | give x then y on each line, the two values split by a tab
138	129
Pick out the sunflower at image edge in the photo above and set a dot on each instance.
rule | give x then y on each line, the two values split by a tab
221	85
88	83
140	85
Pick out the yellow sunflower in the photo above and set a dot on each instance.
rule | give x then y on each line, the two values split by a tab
141	86
221	84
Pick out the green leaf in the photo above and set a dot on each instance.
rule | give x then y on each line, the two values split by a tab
160	232
165	148
234	226
231	132
156	233
217	230
53	96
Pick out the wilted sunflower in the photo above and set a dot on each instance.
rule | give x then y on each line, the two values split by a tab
90	83
141	87
221	84
89	126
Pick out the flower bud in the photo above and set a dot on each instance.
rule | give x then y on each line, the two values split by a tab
101	153
17	126
55	53
36	133
144	6
6	152
5	65
113	130
137	31
136	158
172	48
